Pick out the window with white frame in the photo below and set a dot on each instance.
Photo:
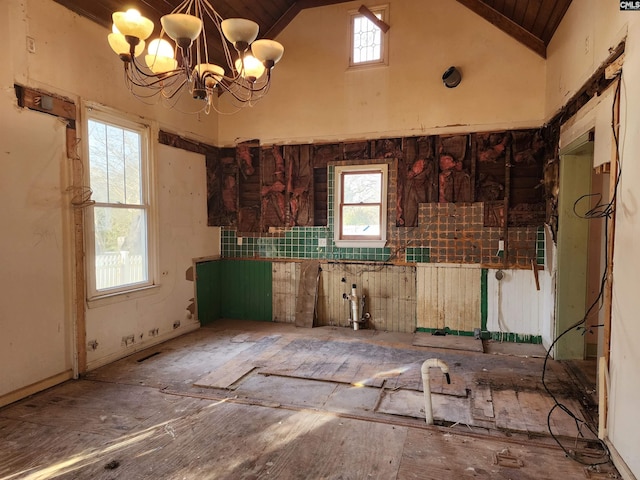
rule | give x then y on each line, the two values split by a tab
368	42
360	208
119	240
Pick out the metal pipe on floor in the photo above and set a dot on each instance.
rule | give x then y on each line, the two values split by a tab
426	387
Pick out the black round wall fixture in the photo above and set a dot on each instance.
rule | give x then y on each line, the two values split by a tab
451	77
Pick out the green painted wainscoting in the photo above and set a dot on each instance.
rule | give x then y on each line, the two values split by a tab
240	289
208	291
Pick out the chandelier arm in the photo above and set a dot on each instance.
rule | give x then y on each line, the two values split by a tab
202	83
216	18
175	91
144	74
228	88
144	82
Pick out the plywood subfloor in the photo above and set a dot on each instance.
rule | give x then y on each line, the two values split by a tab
517	349
246	400
454	342
480	458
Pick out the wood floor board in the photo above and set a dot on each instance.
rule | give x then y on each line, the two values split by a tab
321	403
429	456
453	342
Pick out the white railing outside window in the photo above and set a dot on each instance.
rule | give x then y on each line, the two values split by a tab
118	268
120	253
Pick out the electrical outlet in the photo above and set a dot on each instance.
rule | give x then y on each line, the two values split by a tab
500	245
587	45
239	240
31	45
322	242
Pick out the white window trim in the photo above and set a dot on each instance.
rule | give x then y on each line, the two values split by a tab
384	47
337	199
95	298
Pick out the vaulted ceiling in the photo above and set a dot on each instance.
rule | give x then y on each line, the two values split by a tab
531	22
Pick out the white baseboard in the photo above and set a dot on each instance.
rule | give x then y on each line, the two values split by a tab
100	362
619	462
36	387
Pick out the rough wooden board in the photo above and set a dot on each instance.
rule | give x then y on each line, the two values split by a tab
454	342
517	349
155	435
528	411
482	403
250	442
508	413
226	376
349	399
411	379
326	374
307	293
286	391
361	363
26	447
410	403
432	456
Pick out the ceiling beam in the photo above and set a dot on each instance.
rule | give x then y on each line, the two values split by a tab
294	10
507	26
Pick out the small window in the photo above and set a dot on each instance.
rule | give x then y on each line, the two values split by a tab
360	210
367	40
119	246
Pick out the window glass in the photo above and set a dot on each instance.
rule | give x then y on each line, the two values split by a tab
119	237
368	41
360	213
362	187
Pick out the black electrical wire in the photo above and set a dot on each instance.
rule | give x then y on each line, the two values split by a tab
606	212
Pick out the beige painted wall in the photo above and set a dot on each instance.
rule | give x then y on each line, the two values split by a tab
73	59
183	236
568	66
36	286
315	96
35	295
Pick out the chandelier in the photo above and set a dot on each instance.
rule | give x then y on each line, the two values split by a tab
168	70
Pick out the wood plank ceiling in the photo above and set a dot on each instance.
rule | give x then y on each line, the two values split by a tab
531	22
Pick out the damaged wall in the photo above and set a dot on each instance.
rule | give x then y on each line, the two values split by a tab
581	44
73	59
447	197
183	236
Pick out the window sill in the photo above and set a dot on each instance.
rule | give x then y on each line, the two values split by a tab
360	243
111	298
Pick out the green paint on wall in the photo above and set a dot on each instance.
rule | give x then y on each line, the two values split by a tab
497	336
572	252
515	337
208	291
484	305
240	289
459	333
246	289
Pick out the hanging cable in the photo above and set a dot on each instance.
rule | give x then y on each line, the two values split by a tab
606	212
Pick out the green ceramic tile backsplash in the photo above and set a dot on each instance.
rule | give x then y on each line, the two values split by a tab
298	242
540	246
452	233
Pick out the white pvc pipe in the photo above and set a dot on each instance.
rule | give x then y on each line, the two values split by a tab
426	387
354	307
